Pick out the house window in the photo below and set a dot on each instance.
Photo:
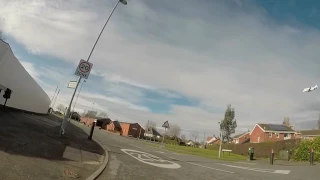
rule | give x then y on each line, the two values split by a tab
277	135
270	135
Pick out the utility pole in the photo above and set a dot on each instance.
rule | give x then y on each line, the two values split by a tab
55	99
53	96
140	133
204	138
74	105
220	140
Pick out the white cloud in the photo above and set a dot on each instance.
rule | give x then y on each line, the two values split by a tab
205	52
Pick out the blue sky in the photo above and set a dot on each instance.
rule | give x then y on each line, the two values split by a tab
181	60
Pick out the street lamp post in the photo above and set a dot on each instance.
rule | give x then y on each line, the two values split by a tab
65	120
220	140
53	96
55	99
78	96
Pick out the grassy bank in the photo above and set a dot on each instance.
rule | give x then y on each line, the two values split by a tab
212	154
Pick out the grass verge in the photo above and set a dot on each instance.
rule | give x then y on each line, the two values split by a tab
212	154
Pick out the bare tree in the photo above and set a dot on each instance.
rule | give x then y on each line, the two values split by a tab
84	113
174	130
91	114
286	121
61	108
183	138
194	135
150	124
103	114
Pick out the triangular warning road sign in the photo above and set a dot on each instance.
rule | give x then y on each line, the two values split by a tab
166	125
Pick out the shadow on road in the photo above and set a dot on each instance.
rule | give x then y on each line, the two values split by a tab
37	136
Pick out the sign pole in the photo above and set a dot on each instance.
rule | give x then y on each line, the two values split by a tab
62	129
163	137
63	124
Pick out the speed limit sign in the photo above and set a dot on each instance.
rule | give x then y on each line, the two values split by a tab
83	69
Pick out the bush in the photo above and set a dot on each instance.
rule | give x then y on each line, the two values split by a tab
302	151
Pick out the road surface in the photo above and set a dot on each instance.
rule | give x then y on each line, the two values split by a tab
133	159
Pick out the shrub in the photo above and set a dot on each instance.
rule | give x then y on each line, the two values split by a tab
302	151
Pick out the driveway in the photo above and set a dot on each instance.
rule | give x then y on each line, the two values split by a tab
134	159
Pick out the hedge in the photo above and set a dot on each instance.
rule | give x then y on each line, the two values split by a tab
302	151
261	150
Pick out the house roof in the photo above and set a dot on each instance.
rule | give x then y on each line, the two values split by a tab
152	131
213	139
128	123
239	135
108	120
310	133
245	141
209	138
275	127
116	124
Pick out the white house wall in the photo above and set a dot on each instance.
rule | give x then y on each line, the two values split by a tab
26	93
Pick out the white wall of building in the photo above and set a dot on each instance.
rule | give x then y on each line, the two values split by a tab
26	93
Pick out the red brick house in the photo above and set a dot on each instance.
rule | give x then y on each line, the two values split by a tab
87	121
113	126
212	140
308	134
102	123
271	132
241	138
131	129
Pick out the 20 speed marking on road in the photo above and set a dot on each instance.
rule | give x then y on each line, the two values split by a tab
150	159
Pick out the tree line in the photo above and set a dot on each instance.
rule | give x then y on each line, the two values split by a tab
90	114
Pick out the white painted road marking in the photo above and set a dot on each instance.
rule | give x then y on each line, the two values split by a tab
202	166
282	171
160	152
210	167
150	159
246	163
136	146
259	170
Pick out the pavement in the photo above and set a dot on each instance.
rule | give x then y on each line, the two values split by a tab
130	158
30	148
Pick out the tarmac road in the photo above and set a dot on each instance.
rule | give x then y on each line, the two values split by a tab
132	159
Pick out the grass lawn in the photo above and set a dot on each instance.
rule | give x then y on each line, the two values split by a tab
212	154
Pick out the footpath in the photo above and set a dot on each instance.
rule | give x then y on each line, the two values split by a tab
30	148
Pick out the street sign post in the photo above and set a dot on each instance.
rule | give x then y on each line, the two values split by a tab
83	69
165	125
72	84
